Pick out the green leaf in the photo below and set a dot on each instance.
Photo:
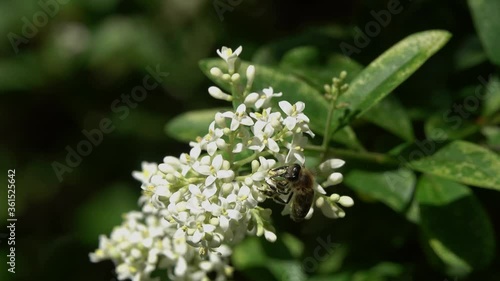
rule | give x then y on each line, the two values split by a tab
187	126
256	258
334	261
347	137
308	64
487	23
491	103
393	188
461	161
438	127
342	276
293	244
113	201
322	36
470	53
492	135
303	56
141	123
293	88
388	71
285	270
455	225
22	73
248	254
392	116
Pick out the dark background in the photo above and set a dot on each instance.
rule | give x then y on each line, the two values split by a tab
66	77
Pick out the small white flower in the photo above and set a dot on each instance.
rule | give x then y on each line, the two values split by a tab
226	212
266	97
213	140
148	170
238	117
261	100
244	197
229	56
263	139
295	118
214	170
296	149
267	120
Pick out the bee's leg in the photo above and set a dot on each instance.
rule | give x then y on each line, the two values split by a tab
268	193
273	193
279	200
279	188
289	198
282	188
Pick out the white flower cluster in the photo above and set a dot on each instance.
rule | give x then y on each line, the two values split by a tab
212	192
209	198
213	197
145	243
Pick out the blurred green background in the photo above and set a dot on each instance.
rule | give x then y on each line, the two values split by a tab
86	53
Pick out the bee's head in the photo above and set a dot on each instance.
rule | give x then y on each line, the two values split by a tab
293	172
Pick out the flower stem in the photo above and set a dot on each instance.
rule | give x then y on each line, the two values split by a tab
237	100
238	164
328	127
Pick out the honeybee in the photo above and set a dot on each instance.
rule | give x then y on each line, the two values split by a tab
296	182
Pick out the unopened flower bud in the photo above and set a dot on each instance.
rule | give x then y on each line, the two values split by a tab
250	75
346	201
235	77
215	92
215	71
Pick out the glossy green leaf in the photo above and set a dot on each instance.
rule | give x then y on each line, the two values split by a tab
392	116
388	71
460	161
293	89
455	225
187	126
393	188
487	23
